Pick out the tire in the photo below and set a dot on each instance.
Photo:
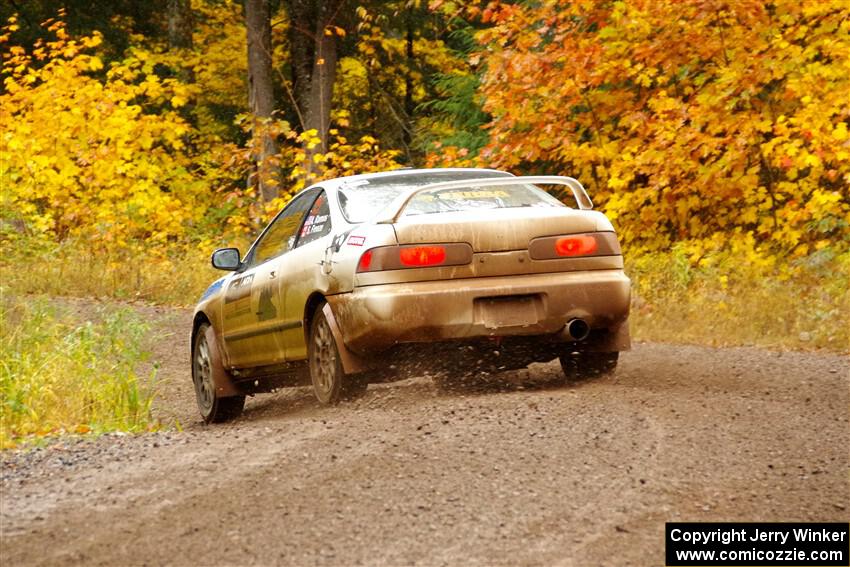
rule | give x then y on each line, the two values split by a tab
588	365
206	365
330	383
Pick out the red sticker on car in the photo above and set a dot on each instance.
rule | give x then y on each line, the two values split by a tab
356	240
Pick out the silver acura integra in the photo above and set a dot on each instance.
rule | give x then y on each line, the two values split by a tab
358	276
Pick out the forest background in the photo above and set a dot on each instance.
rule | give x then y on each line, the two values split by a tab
139	136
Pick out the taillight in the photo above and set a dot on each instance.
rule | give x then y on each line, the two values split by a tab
422	255
574	246
414	256
365	261
581	245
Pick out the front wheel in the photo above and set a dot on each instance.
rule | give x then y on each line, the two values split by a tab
330	383
206	365
587	365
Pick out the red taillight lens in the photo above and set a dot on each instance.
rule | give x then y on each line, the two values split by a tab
422	255
574	246
384	258
579	245
365	261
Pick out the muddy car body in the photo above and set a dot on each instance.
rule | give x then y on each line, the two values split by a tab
358	274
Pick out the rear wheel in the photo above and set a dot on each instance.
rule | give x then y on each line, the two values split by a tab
330	383
206	365
588	365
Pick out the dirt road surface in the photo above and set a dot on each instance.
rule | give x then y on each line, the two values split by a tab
518	473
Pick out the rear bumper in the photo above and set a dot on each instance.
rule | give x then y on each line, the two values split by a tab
374	318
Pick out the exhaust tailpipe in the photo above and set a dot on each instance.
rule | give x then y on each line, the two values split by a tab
578	329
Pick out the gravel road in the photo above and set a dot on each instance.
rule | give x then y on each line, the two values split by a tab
520	472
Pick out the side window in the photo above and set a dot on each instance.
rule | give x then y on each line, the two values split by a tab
281	235
318	221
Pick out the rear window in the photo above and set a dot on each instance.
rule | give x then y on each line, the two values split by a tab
481	197
360	200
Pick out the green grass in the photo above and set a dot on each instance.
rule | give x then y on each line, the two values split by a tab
58	375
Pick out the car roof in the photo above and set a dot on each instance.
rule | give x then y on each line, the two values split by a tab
404	172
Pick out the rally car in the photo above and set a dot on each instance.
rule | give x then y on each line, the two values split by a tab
359	274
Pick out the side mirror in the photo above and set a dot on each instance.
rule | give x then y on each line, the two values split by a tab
226	259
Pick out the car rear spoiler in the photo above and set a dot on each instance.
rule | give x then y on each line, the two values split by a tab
395	209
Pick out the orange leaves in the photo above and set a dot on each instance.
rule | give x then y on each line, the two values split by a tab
497	12
684	117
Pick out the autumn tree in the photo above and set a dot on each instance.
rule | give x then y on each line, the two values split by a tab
701	119
117	21
403	57
100	159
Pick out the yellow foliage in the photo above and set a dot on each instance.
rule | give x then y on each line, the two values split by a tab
110	156
99	158
342	158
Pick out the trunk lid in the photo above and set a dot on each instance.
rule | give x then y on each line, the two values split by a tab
494	230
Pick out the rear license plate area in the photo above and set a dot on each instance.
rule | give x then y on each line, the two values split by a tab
507	311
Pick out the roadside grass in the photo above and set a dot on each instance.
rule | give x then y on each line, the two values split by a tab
60	376
735	296
175	275
725	300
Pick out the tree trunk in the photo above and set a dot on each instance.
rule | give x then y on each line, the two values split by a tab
261	94
302	18
317	114
313	60
407	135
180	23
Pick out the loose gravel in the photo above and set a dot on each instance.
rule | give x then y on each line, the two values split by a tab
518	472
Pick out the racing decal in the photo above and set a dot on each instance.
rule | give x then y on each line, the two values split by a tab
479	194
355	240
237	298
239	288
266	309
313	224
